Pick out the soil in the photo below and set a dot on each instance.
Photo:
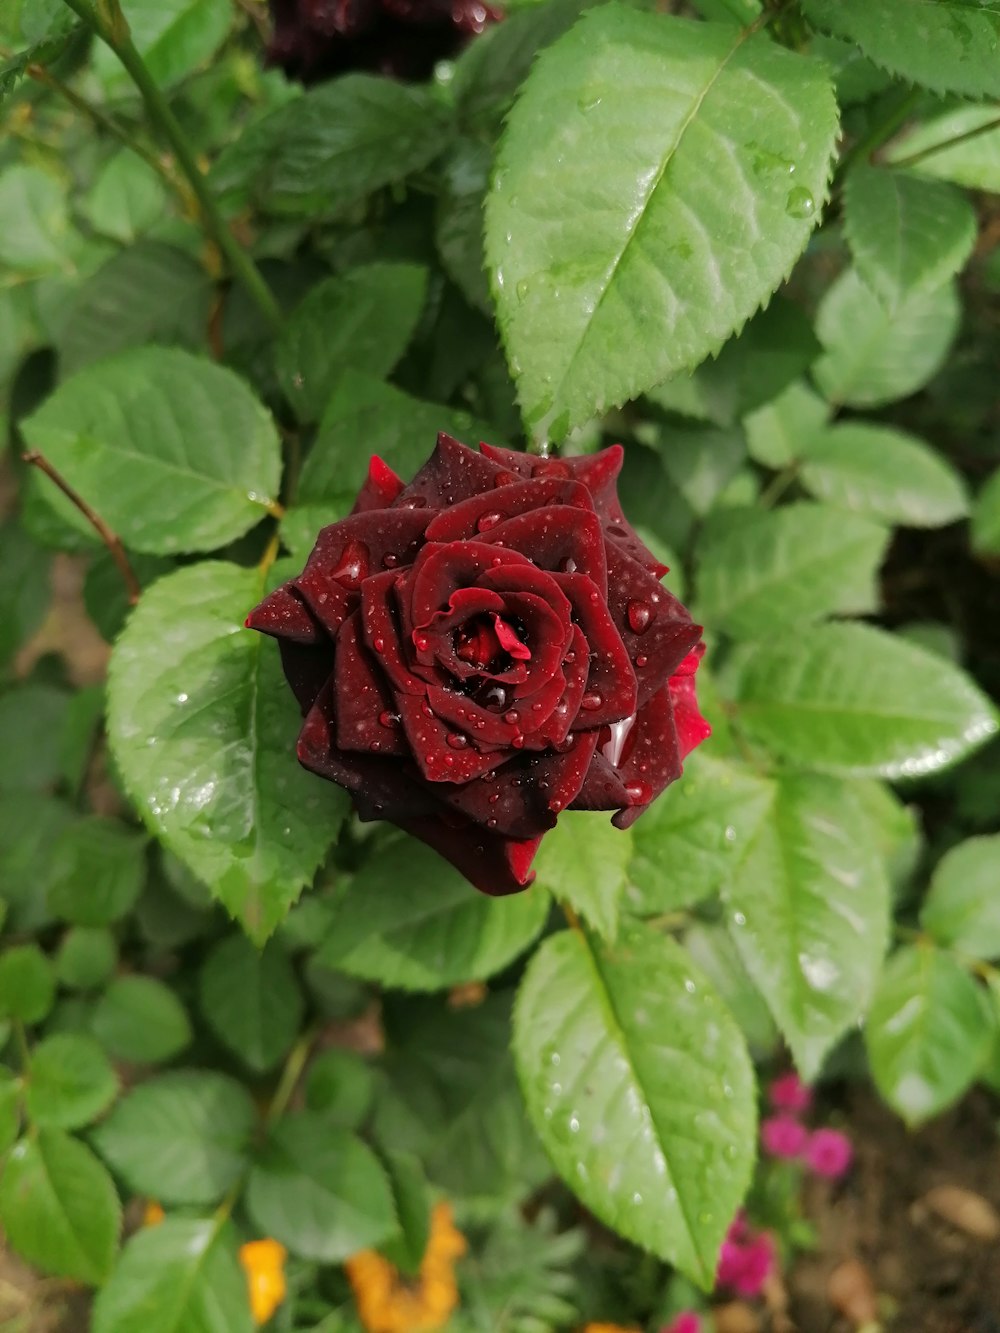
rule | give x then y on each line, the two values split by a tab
931	1257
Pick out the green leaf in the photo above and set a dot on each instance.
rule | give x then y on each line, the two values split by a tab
689	841
320	1191
947	45
169	471
58	1207
962	908
808	909
458	229
251	1000
43	52
875	355
28	825
409	920
141	1020
105	595
906	234
781	567
181	1138
104	317
584	862
24	589
182	1276
400	429
27	983
86	958
34	221
612	271
127	198
962	145
10	1108
340	1085
174	38
713	950
31	722
986	517
98	870
614	1049
451	1098
852	699
70	1082
323	152
778	432
411	1203
360	320
204	734
929	1029
884	474
701	463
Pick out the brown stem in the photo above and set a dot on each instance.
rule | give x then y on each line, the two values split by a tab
110	539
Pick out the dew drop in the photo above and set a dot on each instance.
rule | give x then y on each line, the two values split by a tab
390	561
639	793
640	615
457	741
641	661
488	521
522	289
592	701
388	719
378	643
421	641
800	203
354	565
513	717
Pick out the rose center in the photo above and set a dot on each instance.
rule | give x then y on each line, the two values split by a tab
489	642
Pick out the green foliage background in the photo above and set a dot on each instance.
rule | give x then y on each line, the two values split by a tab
757	244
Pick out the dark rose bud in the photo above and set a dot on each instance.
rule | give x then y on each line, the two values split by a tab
488	646
315	39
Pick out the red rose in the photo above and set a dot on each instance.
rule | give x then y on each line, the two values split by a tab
481	649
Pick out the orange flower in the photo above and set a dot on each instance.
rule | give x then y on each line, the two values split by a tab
153	1214
388	1303
264	1264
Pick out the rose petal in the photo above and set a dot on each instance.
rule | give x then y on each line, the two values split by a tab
611	685
284	615
451	474
306	668
603	788
363	544
667	634
692	728
553	544
329	601
651	758
479	513
495	865
366	716
381	630
379	489
442	754
441	569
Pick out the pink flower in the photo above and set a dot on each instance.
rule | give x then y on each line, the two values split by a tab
686	1322
746	1260
789	1093
829	1153
782	1136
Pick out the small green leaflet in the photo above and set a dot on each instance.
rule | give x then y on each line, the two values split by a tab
614	1050
174	38
584	863
962	907
986	516
613	271
961	146
203	730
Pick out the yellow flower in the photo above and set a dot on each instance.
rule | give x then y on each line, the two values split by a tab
389	1303
153	1214
264	1264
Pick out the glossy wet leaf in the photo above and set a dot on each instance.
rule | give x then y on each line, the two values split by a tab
906	234
605	1039
947	45
852	699
613	270
204	729
692	837
169	470
180	1138
781	567
962	907
70	1081
359	320
58	1207
929	1030
180	1275
808	909
884	474
408	919
875	355
584	862
251	1000
320	1191
326	150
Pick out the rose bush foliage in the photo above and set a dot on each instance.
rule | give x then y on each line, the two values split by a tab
485	647
693	270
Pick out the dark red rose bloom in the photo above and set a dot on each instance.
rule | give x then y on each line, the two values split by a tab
315	39
485	647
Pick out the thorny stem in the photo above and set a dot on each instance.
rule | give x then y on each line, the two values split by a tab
107	20
914	158
110	539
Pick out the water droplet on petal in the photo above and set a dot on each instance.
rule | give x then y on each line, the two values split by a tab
388	719
639	793
488	521
354	565
592	700
640	615
457	741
